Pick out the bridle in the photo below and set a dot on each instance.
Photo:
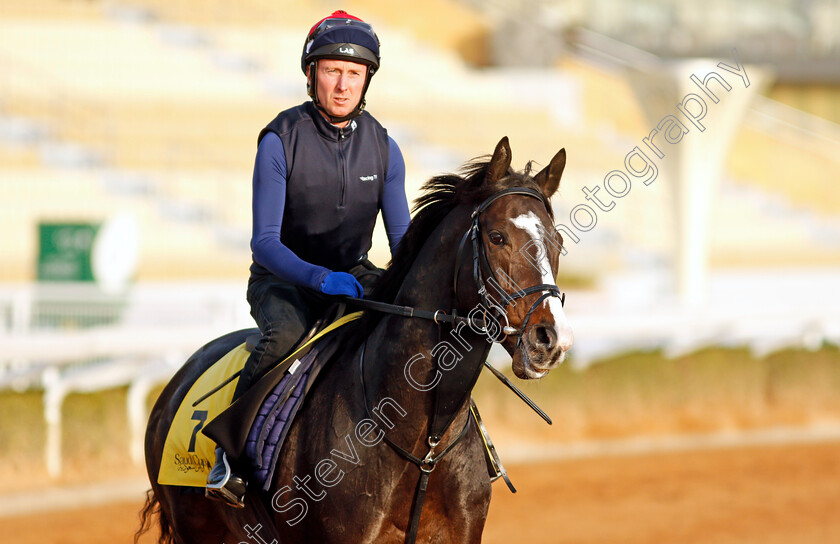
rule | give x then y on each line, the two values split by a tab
481	270
481	266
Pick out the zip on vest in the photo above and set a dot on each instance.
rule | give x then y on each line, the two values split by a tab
342	167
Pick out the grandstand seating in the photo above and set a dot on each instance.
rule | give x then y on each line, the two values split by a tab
799	163
170	96
821	100
51	9
170	246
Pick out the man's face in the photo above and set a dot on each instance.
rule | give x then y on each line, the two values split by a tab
340	84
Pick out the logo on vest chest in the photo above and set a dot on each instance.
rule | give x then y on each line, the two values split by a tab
372	177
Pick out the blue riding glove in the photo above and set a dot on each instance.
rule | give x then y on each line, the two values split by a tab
342	283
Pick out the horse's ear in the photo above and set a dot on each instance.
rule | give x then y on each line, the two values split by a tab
499	164
549	177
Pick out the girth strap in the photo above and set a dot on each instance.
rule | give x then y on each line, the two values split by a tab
490	449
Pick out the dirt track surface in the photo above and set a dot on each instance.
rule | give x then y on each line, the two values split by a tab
767	495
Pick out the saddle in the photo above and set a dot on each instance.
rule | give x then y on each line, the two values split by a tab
252	429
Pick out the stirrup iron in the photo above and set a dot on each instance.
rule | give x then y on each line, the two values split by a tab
225	489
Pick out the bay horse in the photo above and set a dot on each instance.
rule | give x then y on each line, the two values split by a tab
387	423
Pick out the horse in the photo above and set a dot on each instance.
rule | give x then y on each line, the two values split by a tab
384	448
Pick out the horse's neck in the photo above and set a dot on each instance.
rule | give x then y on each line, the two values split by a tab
402	367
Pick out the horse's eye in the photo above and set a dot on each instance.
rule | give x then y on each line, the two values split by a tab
496	238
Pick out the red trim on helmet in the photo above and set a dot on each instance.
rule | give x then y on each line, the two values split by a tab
338	14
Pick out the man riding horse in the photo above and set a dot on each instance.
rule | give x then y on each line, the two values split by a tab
323	171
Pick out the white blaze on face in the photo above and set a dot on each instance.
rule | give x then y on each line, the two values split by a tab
530	223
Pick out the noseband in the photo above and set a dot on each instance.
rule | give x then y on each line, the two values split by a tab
481	266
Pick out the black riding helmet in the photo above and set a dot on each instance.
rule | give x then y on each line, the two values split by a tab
344	37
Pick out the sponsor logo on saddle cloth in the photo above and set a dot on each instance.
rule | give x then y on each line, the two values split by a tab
187	454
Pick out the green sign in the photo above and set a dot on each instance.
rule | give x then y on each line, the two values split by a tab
65	251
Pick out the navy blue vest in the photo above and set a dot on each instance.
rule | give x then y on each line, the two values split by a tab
334	183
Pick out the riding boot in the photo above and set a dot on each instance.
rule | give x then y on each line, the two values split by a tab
223	485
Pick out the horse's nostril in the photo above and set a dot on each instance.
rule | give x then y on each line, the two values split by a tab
543	336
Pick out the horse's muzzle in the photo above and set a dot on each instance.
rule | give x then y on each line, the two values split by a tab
542	347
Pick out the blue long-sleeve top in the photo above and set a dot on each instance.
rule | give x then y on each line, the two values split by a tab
269	199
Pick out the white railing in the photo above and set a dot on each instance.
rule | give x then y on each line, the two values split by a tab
146	336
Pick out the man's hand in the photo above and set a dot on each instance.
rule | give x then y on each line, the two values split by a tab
342	283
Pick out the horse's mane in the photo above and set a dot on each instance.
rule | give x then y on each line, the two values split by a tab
440	195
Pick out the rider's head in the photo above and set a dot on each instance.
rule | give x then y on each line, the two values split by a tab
339	50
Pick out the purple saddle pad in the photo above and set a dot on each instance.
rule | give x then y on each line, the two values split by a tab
275	417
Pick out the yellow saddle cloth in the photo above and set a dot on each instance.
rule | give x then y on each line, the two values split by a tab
188	454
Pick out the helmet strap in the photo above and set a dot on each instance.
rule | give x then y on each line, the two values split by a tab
312	91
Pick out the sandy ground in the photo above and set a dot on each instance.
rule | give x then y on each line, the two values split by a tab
767	494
